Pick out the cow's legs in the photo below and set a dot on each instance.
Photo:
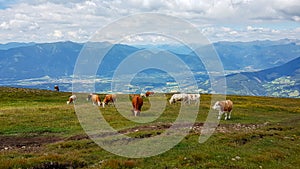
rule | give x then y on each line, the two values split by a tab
220	114
186	101
136	113
197	102
229	116
225	115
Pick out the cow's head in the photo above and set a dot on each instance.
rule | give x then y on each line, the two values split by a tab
89	97
217	106
171	100
135	112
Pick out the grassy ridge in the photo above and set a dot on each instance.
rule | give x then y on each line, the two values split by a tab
39	130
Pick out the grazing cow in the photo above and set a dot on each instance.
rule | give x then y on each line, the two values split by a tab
179	97
137	103
95	99
223	107
109	98
185	98
147	94
72	99
56	88
194	97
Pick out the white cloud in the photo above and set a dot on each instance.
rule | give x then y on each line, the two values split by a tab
57	34
4	25
296	18
146	39
77	20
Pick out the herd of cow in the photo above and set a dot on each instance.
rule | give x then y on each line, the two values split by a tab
137	102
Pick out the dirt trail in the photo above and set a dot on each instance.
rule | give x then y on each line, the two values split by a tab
25	143
34	142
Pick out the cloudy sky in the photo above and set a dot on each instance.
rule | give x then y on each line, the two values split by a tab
218	20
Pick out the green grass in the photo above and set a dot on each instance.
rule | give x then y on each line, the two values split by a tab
29	118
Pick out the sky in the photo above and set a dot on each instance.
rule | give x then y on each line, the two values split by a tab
218	20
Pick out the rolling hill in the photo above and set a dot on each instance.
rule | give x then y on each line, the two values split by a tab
282	80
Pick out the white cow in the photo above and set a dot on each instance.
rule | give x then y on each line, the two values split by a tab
179	97
185	98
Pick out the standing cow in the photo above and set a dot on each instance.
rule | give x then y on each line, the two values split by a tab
223	107
147	94
137	103
185	98
72	99
109	98
94	98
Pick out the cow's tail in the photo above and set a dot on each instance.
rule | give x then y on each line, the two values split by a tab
137	101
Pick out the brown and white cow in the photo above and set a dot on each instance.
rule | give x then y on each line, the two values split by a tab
137	103
72	99
147	94
94	98
194	97
109	98
223	107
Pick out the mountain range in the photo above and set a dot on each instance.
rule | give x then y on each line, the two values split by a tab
268	68
283	81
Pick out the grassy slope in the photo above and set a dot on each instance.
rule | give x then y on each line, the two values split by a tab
37	114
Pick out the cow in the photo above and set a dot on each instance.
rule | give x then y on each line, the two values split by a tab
223	107
179	97
137	103
94	98
56	88
194	97
185	98
147	94
72	99
109	98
